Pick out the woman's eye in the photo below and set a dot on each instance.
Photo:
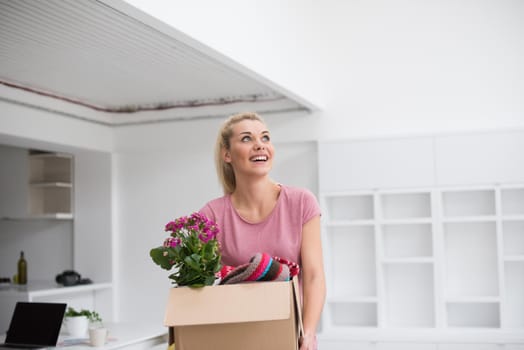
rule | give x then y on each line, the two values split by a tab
266	138
245	139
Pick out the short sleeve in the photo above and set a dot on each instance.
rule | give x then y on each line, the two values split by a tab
310	206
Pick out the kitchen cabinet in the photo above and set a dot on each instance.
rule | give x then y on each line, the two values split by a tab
35	184
50	185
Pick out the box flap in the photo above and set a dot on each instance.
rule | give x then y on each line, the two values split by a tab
298	306
245	302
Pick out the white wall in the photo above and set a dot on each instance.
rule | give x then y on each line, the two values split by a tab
161	172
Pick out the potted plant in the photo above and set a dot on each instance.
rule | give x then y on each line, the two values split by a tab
191	250
78	321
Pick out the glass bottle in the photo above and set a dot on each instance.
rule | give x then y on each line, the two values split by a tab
22	269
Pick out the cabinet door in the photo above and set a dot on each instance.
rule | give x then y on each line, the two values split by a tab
480	158
13	182
386	163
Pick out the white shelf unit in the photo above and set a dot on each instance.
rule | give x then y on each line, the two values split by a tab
511	225
381	259
406	258
353	299
50	185
438	258
471	240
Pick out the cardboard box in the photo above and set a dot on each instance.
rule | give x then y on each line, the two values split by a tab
255	315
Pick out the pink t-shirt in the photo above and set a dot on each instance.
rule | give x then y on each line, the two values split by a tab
280	234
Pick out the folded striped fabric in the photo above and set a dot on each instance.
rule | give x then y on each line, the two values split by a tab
261	267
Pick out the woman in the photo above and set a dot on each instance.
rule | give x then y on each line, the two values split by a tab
257	214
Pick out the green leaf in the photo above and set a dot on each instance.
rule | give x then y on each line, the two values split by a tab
207	251
191	262
157	254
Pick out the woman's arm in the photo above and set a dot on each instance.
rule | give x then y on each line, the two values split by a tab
313	281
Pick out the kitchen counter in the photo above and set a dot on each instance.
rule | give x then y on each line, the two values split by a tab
128	336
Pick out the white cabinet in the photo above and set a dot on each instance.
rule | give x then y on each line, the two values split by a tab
511	225
381	265
471	285
484	286
353	165
436	258
479	158
424	239
35	184
50	185
352	286
382	269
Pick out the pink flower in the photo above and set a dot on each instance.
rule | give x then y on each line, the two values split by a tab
171	242
190	236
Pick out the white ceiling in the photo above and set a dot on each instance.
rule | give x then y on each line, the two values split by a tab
107	62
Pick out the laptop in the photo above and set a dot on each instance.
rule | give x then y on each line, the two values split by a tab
34	326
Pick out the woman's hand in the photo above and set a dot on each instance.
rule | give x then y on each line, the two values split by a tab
308	342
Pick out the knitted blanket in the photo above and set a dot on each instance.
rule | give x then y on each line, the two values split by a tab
261	267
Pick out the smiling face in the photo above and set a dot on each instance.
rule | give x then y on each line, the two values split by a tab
251	151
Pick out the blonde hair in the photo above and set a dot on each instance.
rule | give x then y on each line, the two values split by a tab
225	172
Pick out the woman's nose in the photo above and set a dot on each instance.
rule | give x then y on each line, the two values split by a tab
259	145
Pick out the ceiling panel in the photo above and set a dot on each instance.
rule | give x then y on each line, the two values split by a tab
102	57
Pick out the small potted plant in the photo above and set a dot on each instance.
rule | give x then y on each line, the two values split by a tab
78	321
191	250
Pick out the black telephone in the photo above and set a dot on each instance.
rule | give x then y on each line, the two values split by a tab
71	278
